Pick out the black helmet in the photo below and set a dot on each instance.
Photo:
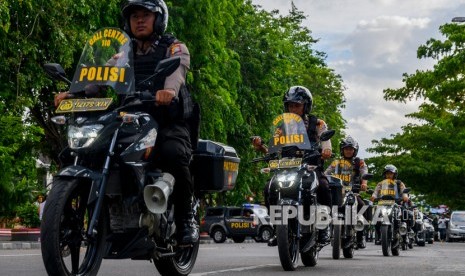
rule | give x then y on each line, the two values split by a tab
390	168
298	94
156	6
348	142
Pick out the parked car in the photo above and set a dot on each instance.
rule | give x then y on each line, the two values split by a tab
456	228
237	223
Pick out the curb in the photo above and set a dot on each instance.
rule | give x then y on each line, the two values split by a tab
19	245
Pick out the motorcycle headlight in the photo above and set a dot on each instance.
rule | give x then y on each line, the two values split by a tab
349	199
286	180
386	211
84	136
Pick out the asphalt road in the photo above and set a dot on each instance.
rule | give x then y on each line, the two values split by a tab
257	259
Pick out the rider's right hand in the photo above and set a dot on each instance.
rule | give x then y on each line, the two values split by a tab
59	97
257	142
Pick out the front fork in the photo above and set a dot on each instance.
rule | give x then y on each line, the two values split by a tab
100	193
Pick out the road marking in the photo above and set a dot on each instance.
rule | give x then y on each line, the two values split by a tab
21	255
238	269
202	248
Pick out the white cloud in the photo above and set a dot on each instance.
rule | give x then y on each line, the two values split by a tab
371	43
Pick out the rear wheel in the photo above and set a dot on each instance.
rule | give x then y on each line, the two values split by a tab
288	247
421	241
310	258
266	233
66	249
179	265
348	252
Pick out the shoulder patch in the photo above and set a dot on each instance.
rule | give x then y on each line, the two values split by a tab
175	49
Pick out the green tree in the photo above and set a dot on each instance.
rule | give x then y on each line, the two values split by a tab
33	32
430	153
242	60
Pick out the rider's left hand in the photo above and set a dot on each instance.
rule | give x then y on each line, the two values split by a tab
326	154
164	97
363	187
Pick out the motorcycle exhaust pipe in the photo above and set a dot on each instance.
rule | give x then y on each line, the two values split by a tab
403	228
156	195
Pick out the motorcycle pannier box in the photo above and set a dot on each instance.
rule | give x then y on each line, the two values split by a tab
214	166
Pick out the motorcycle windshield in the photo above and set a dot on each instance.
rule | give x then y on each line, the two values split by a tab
288	130
107	60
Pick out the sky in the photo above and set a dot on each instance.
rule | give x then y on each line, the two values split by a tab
371	43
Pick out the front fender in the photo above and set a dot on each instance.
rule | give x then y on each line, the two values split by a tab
81	172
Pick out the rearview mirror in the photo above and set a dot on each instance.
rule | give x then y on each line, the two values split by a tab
167	66
325	136
367	176
55	71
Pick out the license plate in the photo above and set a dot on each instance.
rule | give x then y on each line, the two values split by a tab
81	105
287	163
386	202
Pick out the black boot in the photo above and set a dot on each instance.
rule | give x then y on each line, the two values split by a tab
273	241
361	239
324	236
187	231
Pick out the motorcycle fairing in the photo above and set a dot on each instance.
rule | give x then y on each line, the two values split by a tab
288	131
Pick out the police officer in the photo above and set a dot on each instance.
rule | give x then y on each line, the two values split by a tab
350	168
299	100
390	185
145	22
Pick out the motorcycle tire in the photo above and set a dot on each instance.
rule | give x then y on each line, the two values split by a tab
422	242
336	241
348	252
179	265
410	244
395	250
64	224
310	258
288	247
385	240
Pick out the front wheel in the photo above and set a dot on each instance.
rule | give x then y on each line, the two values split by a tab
179	265
288	247
421	240
66	249
336	241
385	240
218	235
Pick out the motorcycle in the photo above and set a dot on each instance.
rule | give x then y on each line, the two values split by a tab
391	235
419	229
291	159
345	235
109	201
